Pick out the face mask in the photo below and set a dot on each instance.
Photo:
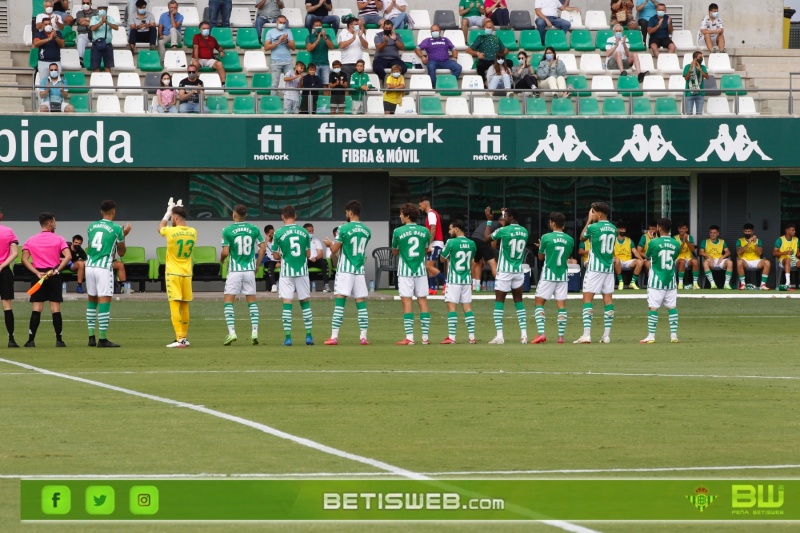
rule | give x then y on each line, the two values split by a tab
205	32
101	13
192	75
48	28
395	74
618	35
142	11
54	74
714	14
281	26
520	59
355	28
337	70
488	31
48	10
87	7
700	61
166	81
435	34
661	13
501	60
548	57
318	30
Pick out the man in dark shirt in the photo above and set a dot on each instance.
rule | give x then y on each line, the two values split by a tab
188	95
78	262
49	41
320	10
660	30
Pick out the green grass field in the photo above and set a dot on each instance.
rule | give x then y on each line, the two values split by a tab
727	396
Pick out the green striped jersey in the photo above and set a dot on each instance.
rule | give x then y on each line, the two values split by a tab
412	241
242	240
354	237
512	247
292	242
461	251
662	252
556	247
103	237
602	235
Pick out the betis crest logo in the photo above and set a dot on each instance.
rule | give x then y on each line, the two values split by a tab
701	498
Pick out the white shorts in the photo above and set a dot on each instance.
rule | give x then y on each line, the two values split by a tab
598	282
627	264
792	261
241	283
657	298
99	282
288	285
506	281
701	39
458	294
410	287
353	285
208	63
718	263
751	264
548	289
475	20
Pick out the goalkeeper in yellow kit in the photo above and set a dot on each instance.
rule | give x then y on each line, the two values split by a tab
178	272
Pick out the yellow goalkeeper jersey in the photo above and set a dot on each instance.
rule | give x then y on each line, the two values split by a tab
180	243
622	250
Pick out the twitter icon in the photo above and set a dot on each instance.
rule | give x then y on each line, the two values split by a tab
99	500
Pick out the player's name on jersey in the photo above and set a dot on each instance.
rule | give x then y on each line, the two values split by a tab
418	232
101	224
293	230
560	240
357	229
241	229
188	232
464	246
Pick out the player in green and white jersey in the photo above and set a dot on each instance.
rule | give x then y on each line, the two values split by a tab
351	245
292	247
105	238
244	248
411	242
554	249
599	277
510	240
459	251
661	287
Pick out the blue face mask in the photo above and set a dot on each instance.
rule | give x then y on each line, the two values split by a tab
101	13
142	11
355	28
618	35
661	13
337	70
281	26
205	32
435	34
714	14
395	74
548	57
488	31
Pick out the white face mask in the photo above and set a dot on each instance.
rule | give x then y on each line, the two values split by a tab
101	13
205	32
618	35
661	13
501	60
714	14
548	57
142	11
355	28
281	26
395	74
337	70
48	28
435	34
48	10
87	7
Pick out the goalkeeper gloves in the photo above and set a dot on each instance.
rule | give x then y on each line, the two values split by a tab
170	205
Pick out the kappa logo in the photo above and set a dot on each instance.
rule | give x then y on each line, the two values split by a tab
640	147
271	140
489	140
570	148
742	147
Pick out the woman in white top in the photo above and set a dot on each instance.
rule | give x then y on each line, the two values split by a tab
352	43
551	72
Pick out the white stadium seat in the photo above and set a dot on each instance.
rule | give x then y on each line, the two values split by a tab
653	83
134	104
70	59
256	61
367	61
420	82
483	106
375	105
472	81
574	17
668	64
119	38
457	38
646	63
719	64
123	60
421	18
591	64
676	84
240	17
456	106
191	17
596	20
424	34
716	105
687	60
604	84
211	82
294	17
375	81
108	103
157	11
407	107
27	36
570	63
334	55
113	12
370	37
98	80
466	61
747	106
129	79
684	40
416	62
175	61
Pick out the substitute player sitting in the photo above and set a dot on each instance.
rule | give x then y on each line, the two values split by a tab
748	250
178	270
626	256
459	251
661	287
715	254
786	253
554	249
685	257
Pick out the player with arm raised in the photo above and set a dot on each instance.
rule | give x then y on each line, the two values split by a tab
243	246
410	242
181	240
105	238
661	287
554	249
351	246
292	246
459	251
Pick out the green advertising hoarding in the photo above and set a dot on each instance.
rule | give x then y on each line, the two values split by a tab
275	143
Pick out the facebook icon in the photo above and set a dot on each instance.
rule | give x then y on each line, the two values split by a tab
56	499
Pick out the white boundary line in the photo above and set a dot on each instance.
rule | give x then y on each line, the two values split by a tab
380	465
642	295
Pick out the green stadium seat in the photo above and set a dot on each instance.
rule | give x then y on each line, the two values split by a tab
70	36
323	105
218	105
87	60
509	107
667	106
530	40
579	83
473	34
33	57
635	42
247	39
244	105
224	37
581	40
137	267
262	79
332	35
589	107
348	105
236	84
557	39
562	107
730	82
614	106
299	35
205	267
601	37
408	39
304	57
158	266
188	36
508	38
231	61
149	61
625	84
642	106
535	106
270	105
430	105
536	58
80	102
448	84
76	79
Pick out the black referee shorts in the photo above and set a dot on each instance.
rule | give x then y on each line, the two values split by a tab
7	284
50	291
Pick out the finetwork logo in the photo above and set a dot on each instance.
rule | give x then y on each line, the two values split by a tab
271	140
489	145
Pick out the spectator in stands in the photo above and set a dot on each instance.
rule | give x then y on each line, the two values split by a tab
170	27
523	73
83	22
619	55
220	9
695	74
352	43
359	83
499	75
269	262
712	31
486	47
748	252
142	27
53	96
646	10
547	12
49	41
280	43
166	96
318	43
267	12
203	48
369	12
189	96
622	13
317	257
660	30
387	51
393	95
337	80
291	99
786	252
312	85
102	27
49	13
497	10
61	10
551	73
77	262
438	48
471	13
396	12
320	10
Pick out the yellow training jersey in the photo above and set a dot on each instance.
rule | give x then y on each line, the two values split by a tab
622	250
749	249
644	242
180	243
585	245
714	249
685	252
788	246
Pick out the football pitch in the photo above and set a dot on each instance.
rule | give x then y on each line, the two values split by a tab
721	404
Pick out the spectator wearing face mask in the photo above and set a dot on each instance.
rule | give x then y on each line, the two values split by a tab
551	72
142	27
486	47
102	26
280	43
712	31
189	94
203	48
166	96
53	94
438	49
499	75
82	23
49	41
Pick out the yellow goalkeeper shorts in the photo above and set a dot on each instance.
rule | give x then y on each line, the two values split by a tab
179	288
